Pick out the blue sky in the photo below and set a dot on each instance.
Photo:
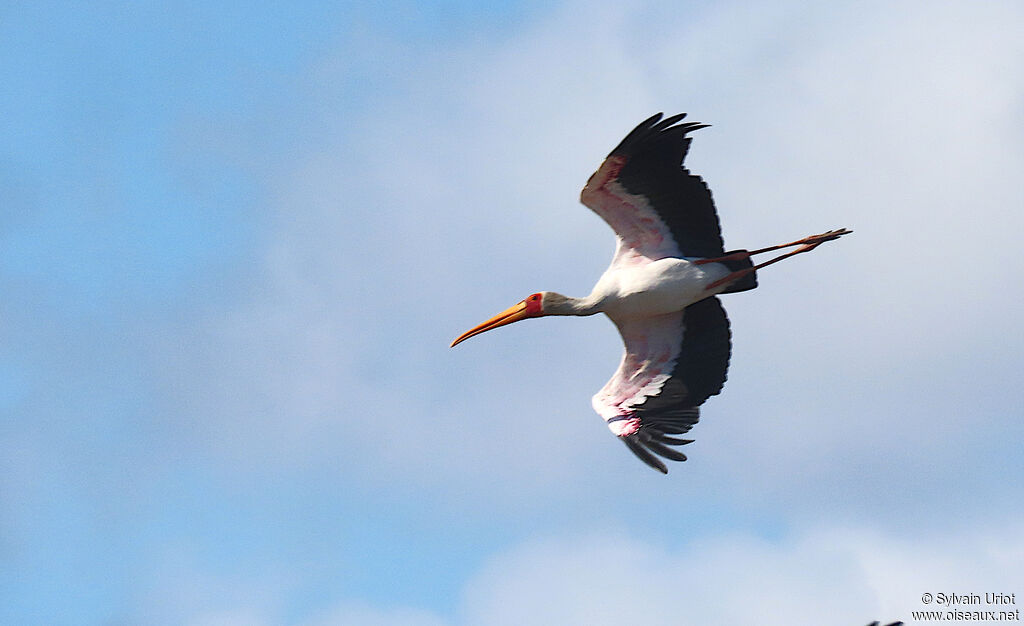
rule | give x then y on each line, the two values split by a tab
235	242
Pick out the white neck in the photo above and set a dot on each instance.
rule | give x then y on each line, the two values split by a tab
557	304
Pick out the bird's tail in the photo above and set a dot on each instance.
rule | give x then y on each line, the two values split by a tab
745	282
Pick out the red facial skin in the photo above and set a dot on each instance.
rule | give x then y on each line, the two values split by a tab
534	305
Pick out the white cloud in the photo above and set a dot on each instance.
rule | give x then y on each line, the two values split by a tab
828	576
877	377
179	585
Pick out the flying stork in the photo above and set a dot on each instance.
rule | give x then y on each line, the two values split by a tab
660	289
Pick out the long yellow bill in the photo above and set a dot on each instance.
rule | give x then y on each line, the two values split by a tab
509	315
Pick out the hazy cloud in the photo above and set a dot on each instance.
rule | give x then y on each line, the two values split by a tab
411	188
830	575
417	223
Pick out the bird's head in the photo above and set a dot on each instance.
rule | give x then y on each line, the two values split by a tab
532	306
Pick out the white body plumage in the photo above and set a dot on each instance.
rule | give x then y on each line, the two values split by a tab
667	285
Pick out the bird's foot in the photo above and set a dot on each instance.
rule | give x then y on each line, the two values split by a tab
807	243
812	242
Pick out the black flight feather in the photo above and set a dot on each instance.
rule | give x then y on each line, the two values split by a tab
699	373
654	153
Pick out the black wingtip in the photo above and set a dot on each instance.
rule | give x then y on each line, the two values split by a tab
643	454
659	130
650	443
654	444
651	121
668	121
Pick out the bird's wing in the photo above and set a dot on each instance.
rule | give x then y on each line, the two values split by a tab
671	365
655	206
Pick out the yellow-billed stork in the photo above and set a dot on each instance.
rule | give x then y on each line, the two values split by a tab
659	290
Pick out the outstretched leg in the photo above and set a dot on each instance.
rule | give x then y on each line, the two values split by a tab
806	245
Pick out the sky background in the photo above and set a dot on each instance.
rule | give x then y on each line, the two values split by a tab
236	240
